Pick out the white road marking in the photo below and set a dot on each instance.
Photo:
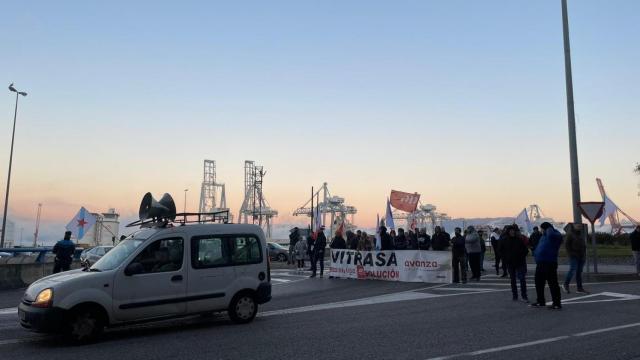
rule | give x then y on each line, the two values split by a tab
612	297
537	342
9	311
464	289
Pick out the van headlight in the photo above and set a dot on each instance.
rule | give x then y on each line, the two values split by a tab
44	299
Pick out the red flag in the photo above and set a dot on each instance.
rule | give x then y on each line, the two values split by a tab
404	201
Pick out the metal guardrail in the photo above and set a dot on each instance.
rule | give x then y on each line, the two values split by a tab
41	251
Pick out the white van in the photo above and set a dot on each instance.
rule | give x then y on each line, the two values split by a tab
155	274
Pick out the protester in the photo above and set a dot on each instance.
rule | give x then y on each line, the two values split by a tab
534	238
495	246
635	246
63	250
458	257
393	234
577	252
514	254
300	254
440	239
352	240
546	255
338	242
412	240
368	241
386	241
483	249
424	240
472	245
400	242
310	242
294	237
318	252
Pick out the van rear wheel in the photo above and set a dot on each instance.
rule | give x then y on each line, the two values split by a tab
243	308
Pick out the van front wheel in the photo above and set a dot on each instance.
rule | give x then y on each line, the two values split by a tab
243	308
85	325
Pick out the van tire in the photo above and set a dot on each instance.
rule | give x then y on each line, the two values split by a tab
243	308
85	324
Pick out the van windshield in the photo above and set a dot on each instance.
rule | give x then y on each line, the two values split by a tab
116	256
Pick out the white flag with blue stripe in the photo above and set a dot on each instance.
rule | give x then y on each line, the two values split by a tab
81	223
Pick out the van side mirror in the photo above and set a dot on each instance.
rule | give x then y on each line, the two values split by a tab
133	269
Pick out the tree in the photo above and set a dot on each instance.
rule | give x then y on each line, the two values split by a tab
637	169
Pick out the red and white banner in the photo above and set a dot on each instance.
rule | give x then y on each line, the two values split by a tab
404	201
392	265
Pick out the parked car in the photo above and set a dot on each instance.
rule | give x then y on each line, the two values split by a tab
5	254
156	273
278	252
90	256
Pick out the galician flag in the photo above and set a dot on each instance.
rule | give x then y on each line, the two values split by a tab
610	209
522	220
81	223
389	217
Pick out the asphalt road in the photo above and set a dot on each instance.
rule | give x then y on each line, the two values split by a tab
351	319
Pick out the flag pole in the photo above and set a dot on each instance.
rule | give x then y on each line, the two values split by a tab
311	225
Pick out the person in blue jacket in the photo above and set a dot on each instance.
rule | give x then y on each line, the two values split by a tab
546	255
64	250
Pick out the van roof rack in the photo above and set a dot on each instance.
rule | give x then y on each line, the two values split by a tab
181	219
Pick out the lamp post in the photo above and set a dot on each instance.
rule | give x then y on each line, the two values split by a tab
573	148
6	195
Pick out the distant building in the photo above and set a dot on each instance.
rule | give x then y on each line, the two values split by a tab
105	231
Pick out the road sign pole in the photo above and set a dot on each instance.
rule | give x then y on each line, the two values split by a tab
595	248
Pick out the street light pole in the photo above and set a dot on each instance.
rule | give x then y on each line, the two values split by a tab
6	195
573	148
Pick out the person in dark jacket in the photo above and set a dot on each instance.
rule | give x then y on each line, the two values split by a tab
534	238
310	242
514	254
386	241
352	240
546	256
495	246
424	240
338	242
577	252
318	252
412	239
634	237
63	250
400	242
440	239
483	249
458	257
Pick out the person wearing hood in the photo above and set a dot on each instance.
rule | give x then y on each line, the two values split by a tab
386	241
474	251
338	242
546	256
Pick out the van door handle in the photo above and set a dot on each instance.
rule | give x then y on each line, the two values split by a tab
176	278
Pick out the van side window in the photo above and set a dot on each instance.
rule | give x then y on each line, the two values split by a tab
208	251
245	250
161	256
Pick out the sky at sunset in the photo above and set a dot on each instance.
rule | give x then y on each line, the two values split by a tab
460	101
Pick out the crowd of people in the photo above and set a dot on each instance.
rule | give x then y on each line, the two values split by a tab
509	245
